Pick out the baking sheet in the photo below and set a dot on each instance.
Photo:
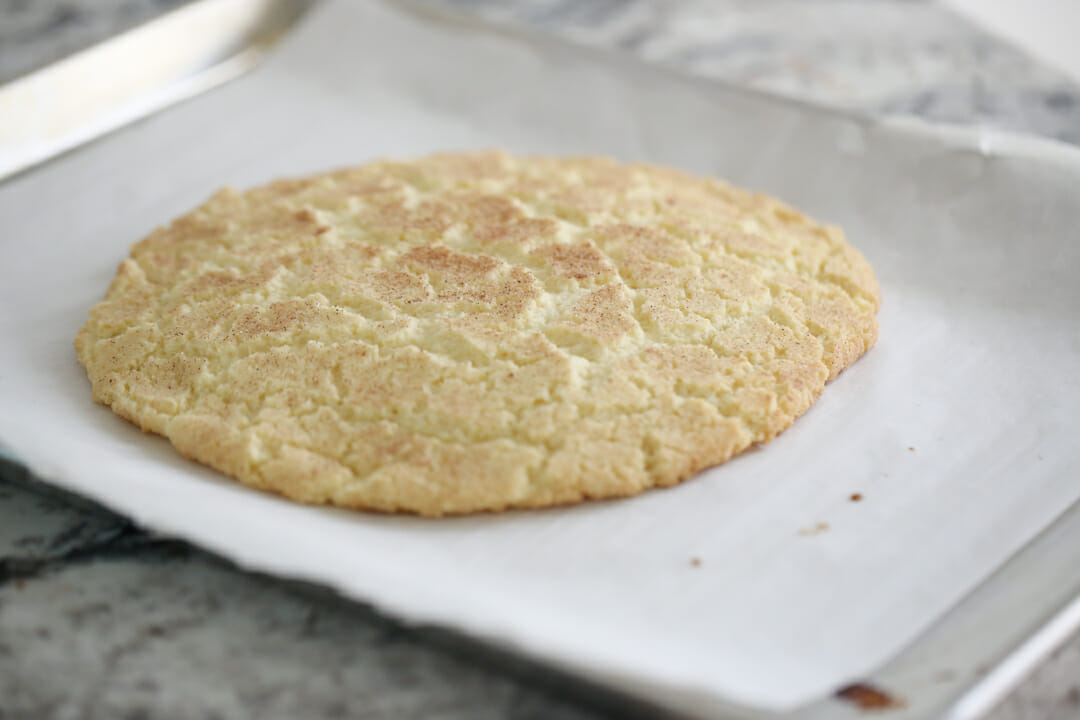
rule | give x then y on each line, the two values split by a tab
956	428
134	74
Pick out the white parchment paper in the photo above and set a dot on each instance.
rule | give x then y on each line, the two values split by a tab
958	428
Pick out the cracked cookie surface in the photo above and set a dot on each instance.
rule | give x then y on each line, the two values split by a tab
469	332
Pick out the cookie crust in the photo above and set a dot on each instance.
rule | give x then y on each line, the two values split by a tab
475	331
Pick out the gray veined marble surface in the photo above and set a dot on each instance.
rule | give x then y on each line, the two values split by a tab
101	620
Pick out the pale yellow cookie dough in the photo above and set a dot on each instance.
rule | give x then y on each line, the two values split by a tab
468	332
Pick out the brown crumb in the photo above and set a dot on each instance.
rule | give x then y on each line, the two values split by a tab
816	530
695	561
856	497
911	448
866	697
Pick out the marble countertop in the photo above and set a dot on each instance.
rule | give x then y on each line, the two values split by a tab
99	619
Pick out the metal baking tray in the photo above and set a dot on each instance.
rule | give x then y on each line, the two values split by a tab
970	659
